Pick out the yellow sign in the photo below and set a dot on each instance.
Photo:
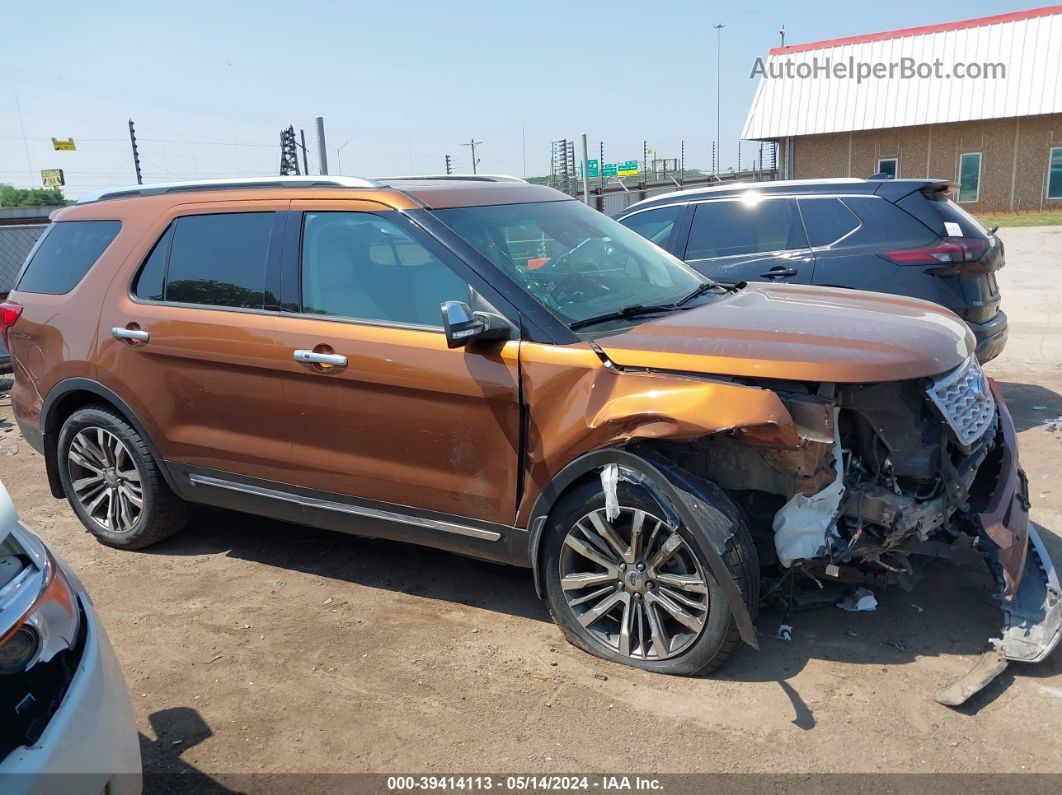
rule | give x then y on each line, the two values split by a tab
52	177
63	144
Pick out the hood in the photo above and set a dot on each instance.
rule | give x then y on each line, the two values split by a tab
800	333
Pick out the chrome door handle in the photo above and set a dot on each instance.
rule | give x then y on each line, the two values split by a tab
138	335
312	357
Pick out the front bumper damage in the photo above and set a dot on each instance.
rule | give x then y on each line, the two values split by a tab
1031	594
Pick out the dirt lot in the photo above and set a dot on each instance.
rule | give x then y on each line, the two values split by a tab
251	645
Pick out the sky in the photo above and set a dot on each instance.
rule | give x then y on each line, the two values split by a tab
400	85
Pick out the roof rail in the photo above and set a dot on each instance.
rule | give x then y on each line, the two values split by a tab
229	184
453	177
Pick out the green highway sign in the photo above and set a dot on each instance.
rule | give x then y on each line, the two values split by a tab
609	170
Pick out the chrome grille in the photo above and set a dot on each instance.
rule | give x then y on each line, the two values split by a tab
965	400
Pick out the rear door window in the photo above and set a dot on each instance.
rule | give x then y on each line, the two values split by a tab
65	254
826	220
656	225
733	228
217	260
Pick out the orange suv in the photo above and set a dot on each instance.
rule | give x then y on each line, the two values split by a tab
493	368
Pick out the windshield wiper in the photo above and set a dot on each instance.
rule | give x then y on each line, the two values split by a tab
628	311
701	289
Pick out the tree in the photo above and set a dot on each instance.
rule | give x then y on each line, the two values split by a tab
10	196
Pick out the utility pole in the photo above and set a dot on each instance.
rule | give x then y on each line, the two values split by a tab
322	151
782	34
449	167
601	166
682	163
718	66
305	162
136	154
472	142
289	156
645	159
586	173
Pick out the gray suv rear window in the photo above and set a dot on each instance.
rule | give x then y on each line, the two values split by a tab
65	254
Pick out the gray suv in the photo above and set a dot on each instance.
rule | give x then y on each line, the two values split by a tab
900	236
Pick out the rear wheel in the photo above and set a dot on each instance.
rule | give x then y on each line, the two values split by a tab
637	589
113	482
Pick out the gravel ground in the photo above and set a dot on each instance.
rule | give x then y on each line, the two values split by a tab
255	646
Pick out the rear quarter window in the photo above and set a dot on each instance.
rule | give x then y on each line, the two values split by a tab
66	253
885	224
942	215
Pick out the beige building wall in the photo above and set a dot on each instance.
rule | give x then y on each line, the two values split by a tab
1014	157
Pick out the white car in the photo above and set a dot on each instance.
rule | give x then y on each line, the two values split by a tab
66	721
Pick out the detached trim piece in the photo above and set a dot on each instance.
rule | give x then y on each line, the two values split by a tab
340	507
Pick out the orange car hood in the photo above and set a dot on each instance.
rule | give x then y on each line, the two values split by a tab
799	333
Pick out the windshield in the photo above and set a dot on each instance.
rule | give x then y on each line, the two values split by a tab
574	260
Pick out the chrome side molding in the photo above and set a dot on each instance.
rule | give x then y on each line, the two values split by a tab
340	507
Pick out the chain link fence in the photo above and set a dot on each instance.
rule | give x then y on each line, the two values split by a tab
16	241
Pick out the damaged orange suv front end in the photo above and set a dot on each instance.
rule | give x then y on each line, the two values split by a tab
495	369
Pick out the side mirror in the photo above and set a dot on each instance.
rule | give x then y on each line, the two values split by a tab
463	326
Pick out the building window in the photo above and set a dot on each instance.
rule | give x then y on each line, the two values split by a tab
1054	173
890	166
969	177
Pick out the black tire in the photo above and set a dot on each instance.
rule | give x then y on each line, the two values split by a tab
162	513
720	635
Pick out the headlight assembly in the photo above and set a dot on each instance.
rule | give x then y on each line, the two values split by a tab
49	626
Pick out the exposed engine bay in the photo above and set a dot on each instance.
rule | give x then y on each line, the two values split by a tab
887	474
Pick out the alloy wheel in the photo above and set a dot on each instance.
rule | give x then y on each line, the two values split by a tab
634	584
105	479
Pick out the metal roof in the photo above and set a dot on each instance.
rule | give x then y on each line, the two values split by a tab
1026	43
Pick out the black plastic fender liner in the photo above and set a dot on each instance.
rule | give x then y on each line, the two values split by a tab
677	495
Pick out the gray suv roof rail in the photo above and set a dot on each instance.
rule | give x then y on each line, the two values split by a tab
229	184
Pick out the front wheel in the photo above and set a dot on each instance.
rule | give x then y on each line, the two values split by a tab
113	482
637	589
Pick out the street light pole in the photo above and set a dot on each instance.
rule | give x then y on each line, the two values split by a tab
718	65
322	149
